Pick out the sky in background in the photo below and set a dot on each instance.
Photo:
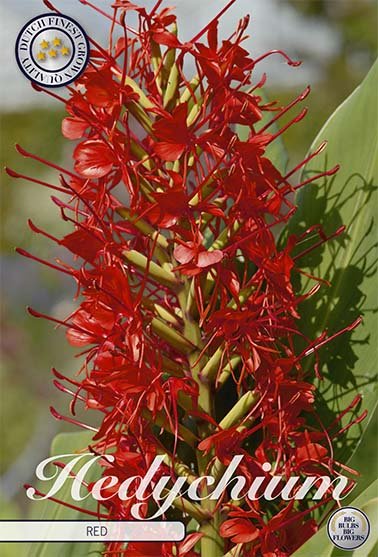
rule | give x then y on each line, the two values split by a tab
274	24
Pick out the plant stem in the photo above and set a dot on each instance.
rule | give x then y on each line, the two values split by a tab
211	543
162	421
170	335
241	408
141	262
187	507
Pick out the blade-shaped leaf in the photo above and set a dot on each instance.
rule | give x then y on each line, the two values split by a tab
348	262
65	443
321	546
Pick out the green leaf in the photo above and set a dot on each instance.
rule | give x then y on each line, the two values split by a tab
65	443
349	263
321	546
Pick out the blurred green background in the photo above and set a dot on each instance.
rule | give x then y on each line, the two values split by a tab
31	347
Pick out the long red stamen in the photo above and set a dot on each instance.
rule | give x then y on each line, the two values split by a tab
58	416
295	120
330	172
216	18
300	98
324	239
68	505
347	329
290	61
25	253
14	174
26	154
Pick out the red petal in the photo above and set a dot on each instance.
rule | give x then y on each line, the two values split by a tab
240	530
94	159
83	244
79	338
207	258
189	542
99	96
74	128
169	151
166	38
172	132
312	451
212	36
184	254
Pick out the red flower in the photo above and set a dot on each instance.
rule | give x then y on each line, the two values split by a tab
224	443
173	134
75	126
90	327
170	206
311	452
83	243
200	258
101	89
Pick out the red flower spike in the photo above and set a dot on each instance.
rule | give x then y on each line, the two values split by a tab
186	299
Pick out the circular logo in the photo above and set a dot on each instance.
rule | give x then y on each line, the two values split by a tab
52	50
348	528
